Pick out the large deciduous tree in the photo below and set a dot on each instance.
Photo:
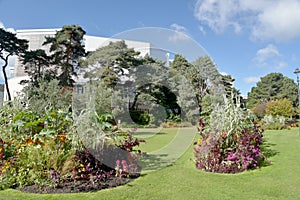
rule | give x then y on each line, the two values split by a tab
10	45
67	48
273	86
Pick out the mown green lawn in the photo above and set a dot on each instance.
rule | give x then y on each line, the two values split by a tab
180	180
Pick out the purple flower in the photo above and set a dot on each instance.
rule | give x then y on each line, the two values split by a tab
231	156
117	162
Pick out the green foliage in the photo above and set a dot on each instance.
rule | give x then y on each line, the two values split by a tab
201	77
281	107
271	87
270	122
140	118
110	62
35	144
228	82
38	67
103	98
229	117
34	164
47	95
10	45
67	48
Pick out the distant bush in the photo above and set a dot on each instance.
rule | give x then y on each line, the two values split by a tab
170	124
270	122
282	107
259	110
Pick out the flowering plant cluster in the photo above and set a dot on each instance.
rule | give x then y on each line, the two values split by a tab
229	153
97	165
130	165
46	150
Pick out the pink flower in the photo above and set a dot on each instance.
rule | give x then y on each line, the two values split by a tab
117	162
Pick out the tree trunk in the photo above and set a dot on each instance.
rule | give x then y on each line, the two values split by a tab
135	100
5	77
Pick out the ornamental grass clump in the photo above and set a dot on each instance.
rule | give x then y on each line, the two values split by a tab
234	146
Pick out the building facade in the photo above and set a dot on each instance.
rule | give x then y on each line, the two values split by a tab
1	94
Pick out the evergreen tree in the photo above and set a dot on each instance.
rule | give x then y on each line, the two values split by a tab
67	48
37	66
110	63
273	86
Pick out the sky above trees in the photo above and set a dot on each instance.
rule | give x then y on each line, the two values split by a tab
247	39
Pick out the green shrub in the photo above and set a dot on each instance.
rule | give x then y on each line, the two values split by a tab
281	107
34	164
270	122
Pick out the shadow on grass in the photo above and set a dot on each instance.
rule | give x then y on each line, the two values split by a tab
268	150
152	162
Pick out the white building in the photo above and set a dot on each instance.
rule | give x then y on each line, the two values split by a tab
36	38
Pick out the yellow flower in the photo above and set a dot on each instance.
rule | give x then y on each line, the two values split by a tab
30	142
199	141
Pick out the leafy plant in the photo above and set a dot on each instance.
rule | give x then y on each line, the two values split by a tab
213	154
35	163
231	142
270	122
35	147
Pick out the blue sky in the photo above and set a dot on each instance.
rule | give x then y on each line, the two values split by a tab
246	38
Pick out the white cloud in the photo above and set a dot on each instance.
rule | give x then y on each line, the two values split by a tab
177	27
180	33
217	14
270	57
265	19
252	79
281	65
279	22
270	51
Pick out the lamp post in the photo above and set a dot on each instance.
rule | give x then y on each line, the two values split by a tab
297	71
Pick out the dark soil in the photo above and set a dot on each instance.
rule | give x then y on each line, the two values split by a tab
69	186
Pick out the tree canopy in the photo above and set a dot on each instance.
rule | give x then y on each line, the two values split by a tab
67	48
110	62
273	86
38	66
